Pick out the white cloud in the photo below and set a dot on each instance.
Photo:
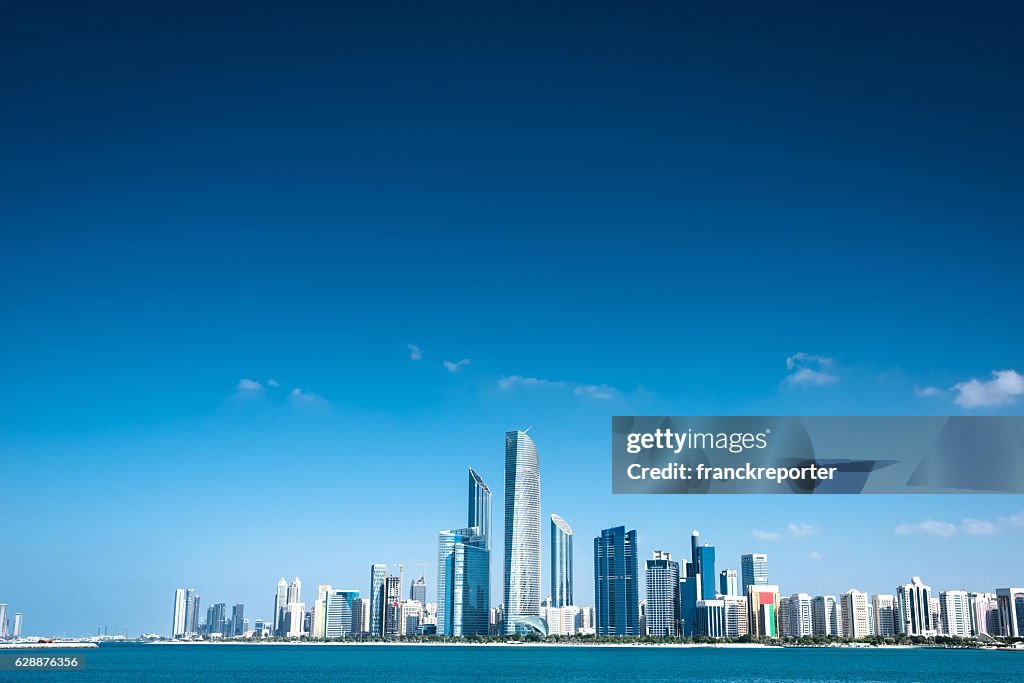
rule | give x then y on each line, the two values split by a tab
765	535
602	391
414	352
305	398
981	527
1016	520
455	367
248	387
801	530
1004	387
272	383
512	381
810	370
814	555
926	392
928	527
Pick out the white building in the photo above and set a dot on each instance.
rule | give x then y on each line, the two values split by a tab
735	609
178	629
412	617
913	602
663	617
292	618
319	610
825	616
955	610
884	615
728	582
856	614
984	614
801	615
562	621
17	625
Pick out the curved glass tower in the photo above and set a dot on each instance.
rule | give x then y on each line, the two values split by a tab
480	506
522	529
561	562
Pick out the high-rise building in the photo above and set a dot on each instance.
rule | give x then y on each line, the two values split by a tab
800	620
616	592
412	617
663	618
763	610
319	620
561	621
884	615
16	633
984	614
706	577
238	620
935	610
856	613
735	607
463	583
955	613
688	588
522	532
561	562
3	620
378	573
295	591
711	620
913	603
728	582
393	605
418	590
339	612
216	618
361	616
825	619
280	600
1010	602
178	627
191	613
479	507
754	567
293	620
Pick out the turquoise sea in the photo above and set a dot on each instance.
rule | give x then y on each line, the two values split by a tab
524	664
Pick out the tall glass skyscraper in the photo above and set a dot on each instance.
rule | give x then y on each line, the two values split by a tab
754	568
561	562
339	619
463	583
378	573
616	592
706	579
663	617
479	506
522	530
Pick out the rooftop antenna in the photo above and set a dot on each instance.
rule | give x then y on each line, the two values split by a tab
527	429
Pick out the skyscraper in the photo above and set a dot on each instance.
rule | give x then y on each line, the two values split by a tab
3	620
295	591
1010	603
825	616
616	593
361	616
280	600
856	613
522	530
237	620
16	633
479	507
763	610
378	573
339	618
191	612
393	605
883	613
418	590
913	603
663	617
984	614
561	562
463	583
755	570
728	582
955	611
705	563
801	615
178	626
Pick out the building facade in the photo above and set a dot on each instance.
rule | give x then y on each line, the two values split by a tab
521	589
616	585
561	562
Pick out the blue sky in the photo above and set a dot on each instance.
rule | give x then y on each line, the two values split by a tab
680	209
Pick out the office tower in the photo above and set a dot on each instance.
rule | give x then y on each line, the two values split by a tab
561	562
913	603
663	618
178	626
883	614
339	612
479	507
616	589
360	616
825	616
754	567
319	621
238	620
393	604
801	616
1010	602
418	591
688	589
984	614
728	582
293	620
16	633
378	573
522	531
295	591
856	614
735	611
216	616
280	600
3	621
705	567
955	613
463	583
783	617
763	610
710	619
